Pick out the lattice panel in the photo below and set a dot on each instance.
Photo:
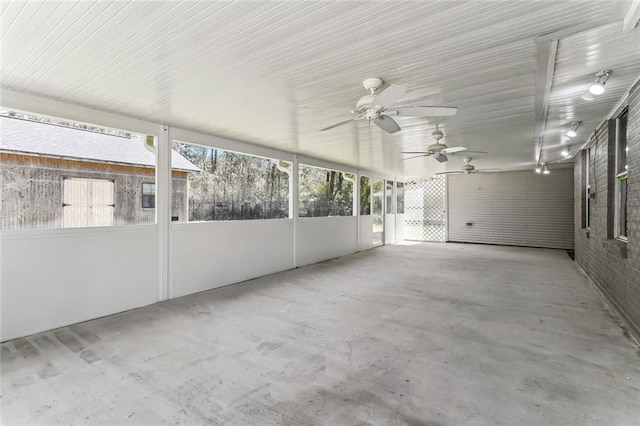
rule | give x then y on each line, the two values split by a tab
425	209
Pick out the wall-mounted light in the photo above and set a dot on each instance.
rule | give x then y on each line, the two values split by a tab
566	151
597	87
573	131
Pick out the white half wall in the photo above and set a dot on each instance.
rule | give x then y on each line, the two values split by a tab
366	233
399	228
208	255
389	228
322	238
56	277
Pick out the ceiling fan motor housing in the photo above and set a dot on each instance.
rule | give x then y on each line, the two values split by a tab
436	147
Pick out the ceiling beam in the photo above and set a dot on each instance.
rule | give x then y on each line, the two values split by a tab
632	17
547	49
545	66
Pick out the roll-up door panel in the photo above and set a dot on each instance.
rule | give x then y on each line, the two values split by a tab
512	208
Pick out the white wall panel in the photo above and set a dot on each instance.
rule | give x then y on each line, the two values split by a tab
512	208
389	228
399	228
322	238
213	254
366	233
51	278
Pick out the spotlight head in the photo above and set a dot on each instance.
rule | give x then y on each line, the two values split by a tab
545	171
588	96
538	169
573	131
597	88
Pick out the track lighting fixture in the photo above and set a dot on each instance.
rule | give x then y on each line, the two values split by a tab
566	152
573	131
545	171
538	169
597	87
588	96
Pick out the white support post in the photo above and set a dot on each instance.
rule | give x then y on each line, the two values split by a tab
163	212
294	208
356	207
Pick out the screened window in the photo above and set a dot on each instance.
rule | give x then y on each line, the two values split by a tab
621	175
400	197
389	196
227	185
377	204
148	195
325	192
54	173
365	196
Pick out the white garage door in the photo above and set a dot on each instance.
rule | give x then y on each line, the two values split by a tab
512	208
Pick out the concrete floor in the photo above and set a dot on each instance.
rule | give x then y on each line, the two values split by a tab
425	334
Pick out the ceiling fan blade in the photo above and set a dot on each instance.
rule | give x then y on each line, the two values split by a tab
452	149
466	152
426	111
387	124
388	97
417	152
415	156
457	172
341	123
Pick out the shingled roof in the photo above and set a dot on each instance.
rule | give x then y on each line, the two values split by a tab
30	137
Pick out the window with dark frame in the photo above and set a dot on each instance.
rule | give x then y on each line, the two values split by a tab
148	195
586	188
621	174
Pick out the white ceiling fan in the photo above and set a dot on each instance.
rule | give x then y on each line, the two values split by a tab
377	107
439	150
468	168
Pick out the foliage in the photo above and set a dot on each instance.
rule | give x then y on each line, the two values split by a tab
325	192
365	195
232	186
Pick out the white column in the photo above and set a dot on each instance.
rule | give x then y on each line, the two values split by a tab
163	212
294	206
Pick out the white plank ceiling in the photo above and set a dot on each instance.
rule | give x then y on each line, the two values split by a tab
273	73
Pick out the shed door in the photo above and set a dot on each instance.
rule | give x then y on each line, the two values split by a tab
88	202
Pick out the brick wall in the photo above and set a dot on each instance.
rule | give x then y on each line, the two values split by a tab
613	265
